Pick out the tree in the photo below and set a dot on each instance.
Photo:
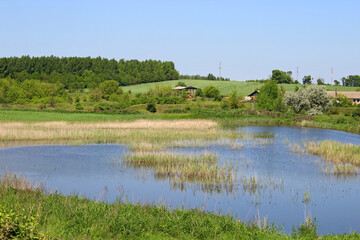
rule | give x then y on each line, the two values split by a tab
281	76
307	79
211	77
337	83
212	92
320	81
313	99
151	107
108	87
234	100
267	96
351	81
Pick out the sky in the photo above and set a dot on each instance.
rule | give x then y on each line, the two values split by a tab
249	37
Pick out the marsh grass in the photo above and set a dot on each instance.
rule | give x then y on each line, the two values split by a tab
19	182
336	152
184	168
254	184
339	159
156	159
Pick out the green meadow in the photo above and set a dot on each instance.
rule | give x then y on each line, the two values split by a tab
225	87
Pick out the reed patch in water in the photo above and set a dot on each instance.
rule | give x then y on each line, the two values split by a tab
335	152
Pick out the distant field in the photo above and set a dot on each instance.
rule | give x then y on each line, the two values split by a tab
226	87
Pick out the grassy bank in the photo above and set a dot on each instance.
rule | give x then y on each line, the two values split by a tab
54	216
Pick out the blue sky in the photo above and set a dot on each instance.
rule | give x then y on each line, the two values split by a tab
250	37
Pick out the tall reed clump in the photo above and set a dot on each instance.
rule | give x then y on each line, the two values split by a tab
336	152
345	157
184	168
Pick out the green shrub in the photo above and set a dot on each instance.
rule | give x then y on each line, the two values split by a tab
212	92
78	106
347	114
17	225
151	107
268	95
356	112
313	100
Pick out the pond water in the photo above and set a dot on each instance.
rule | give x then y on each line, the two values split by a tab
294	185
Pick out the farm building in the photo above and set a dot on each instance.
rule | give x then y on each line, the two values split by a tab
252	96
351	95
190	90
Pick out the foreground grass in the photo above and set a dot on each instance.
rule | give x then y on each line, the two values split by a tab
70	217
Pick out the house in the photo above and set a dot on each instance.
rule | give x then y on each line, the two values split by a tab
252	96
354	96
190	90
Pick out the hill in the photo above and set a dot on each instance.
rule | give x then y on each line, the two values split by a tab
226	87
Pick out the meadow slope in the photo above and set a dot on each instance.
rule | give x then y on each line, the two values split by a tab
225	87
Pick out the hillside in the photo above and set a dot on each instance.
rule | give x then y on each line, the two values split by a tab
226	87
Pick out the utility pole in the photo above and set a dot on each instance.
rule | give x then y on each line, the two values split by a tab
220	71
332	75
297	73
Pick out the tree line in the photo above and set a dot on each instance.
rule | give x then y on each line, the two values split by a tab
286	78
86	72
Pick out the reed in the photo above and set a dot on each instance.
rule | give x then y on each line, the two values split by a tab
155	159
336	152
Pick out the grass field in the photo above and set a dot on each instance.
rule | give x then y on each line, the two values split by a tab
226	87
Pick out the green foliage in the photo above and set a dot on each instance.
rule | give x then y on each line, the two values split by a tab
313	99
160	91
307	230
342	101
96	95
108	88
78	106
320	81
212	92
17	225
182	84
78	73
267	96
351	81
356	112
307	79
151	107
176	110
281	77
225	104
234	100
199	93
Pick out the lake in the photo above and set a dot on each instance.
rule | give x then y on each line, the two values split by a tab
291	185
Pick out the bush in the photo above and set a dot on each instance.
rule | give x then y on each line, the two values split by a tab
151	107
313	100
342	101
78	106
268	95
199	93
17	225
356	113
212	92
